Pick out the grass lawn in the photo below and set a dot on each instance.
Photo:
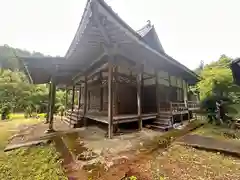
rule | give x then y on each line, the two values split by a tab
35	163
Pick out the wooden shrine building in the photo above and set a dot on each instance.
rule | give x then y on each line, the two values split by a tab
120	75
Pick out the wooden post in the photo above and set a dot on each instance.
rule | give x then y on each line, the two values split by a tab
73	97
115	90
101	91
169	89
181	118
52	105
157	94
88	100
48	105
79	96
139	98
85	101
66	99
110	99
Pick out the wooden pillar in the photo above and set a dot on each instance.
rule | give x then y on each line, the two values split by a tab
73	97
139	98
115	90
48	105
185	98
66	98
88	100
79	96
157	94
169	89
85	101
101	91
52	105
110	99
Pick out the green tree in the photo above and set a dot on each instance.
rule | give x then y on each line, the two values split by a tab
15	90
216	79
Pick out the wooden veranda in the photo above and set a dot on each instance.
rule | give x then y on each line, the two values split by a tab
115	74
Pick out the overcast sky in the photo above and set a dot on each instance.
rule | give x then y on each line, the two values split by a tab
189	30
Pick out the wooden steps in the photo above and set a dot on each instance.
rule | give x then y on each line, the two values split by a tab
163	121
72	117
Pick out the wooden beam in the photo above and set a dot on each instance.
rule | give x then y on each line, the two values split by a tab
52	105
139	98
146	78
130	77
85	101
94	70
110	100
73	97
95	64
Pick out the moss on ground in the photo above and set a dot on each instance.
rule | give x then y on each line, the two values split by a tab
38	163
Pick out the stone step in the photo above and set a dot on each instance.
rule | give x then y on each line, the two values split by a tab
161	127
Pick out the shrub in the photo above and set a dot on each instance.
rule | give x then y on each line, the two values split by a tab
28	112
61	110
5	111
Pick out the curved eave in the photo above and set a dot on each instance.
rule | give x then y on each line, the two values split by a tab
40	70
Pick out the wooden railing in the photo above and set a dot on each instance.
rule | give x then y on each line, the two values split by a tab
178	106
193	105
165	106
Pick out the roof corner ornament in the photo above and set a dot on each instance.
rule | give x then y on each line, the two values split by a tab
149	22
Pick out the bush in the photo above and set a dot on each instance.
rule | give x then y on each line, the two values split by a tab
61	110
28	112
5	111
209	103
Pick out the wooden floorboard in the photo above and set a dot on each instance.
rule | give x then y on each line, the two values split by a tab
121	118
